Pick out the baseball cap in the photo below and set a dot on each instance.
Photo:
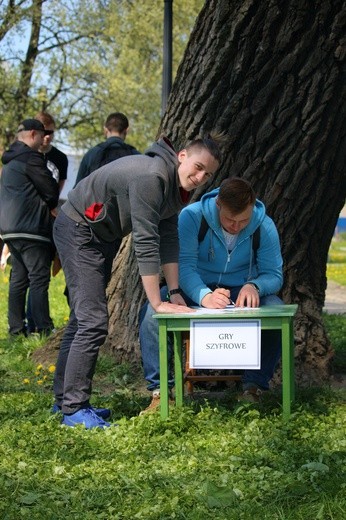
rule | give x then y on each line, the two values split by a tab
31	124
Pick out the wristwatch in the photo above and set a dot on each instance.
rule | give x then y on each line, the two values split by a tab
174	291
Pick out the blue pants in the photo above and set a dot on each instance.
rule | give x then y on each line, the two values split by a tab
149	342
31	262
87	264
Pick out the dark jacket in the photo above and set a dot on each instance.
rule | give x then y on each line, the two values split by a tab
110	150
138	193
27	194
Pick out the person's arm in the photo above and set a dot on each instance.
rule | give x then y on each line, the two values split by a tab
218	299
63	166
248	296
155	239
4	257
84	167
61	185
42	179
148	231
190	251
171	274
189	278
152	289
269	268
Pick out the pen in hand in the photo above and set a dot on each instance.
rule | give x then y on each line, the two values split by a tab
231	302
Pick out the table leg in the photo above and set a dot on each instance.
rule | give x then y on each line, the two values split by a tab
287	366
178	369
164	409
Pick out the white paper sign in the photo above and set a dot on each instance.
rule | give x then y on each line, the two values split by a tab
225	344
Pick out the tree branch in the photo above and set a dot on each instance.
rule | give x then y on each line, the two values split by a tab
31	55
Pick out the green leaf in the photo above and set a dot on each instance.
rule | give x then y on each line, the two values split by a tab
219	496
29	499
316	466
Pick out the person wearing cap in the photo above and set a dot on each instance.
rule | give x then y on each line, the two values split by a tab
28	200
57	161
141	194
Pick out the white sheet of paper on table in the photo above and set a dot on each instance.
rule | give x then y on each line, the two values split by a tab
228	309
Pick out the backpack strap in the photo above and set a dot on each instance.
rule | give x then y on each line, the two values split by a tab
256	239
203	228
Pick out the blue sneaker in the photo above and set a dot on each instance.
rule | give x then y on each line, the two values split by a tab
85	416
104	413
55	408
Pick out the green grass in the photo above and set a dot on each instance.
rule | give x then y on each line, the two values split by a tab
336	325
336	267
212	459
336	329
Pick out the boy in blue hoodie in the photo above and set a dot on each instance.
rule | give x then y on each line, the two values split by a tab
223	266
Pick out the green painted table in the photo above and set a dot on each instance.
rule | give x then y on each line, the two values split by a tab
272	317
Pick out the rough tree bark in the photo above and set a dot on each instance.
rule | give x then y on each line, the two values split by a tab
270	73
126	297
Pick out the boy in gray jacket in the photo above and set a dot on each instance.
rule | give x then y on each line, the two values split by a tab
140	194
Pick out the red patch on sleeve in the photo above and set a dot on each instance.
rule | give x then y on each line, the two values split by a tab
93	211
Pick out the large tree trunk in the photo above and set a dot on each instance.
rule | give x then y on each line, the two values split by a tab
126	297
271	74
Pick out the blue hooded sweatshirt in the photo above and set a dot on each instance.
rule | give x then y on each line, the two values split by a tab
210	263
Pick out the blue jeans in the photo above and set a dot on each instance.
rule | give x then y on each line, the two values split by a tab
87	262
149	342
30	261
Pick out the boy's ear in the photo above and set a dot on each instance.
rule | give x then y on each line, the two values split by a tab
182	155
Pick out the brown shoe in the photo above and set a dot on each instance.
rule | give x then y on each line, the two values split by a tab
155	402
253	394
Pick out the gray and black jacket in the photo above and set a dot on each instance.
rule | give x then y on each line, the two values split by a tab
27	194
137	193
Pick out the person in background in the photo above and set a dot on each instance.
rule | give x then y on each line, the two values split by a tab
5	255
57	164
142	194
115	131
28	200
57	161
222	267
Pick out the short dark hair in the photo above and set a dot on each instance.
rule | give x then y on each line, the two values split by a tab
45	118
117	122
236	194
210	142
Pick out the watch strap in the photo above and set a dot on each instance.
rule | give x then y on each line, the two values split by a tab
174	291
